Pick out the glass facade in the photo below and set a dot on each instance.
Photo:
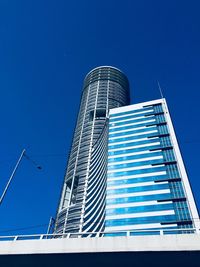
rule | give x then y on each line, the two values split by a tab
147	186
82	203
124	171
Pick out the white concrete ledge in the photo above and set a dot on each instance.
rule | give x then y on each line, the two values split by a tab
182	242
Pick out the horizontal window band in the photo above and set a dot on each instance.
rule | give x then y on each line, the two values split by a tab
155	232
165	163
139	209
150	219
142	130
138	215
134	157
157	124
161	148
127	196
130	112
157	197
135	181
139	189
134	126
150	134
171	180
128	134
133	144
181	199
154	174
155	113
153	226
131	121
136	204
184	222
135	164
139	171
127	117
158	135
135	150
153	105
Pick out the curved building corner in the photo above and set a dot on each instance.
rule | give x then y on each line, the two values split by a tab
82	203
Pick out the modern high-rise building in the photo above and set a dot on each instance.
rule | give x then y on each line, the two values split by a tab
147	184
125	171
82	203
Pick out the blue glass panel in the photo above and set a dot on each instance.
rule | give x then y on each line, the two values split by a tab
132	126
130	116
136	180
133	150
138	199
137	209
141	171
140	156
131	121
130	112
178	232
151	231
147	129
132	137
137	189
135	164
141	220
115	234
145	233
149	141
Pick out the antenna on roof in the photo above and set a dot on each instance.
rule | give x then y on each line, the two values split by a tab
160	89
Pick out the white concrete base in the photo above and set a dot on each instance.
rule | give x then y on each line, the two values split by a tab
182	242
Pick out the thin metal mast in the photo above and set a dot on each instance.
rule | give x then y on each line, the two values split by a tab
160	89
12	175
23	154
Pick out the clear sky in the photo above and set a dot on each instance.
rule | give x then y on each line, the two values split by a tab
46	49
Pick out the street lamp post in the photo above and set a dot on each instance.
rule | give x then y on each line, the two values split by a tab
12	175
14	171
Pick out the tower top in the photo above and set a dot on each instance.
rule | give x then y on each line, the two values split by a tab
102	67
106	73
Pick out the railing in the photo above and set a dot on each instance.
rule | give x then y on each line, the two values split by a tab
101	234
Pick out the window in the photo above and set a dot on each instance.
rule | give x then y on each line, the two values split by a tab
100	114
74	190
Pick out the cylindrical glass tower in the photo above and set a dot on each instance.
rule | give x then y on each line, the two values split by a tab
82	203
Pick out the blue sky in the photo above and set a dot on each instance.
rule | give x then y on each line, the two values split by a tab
46	49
